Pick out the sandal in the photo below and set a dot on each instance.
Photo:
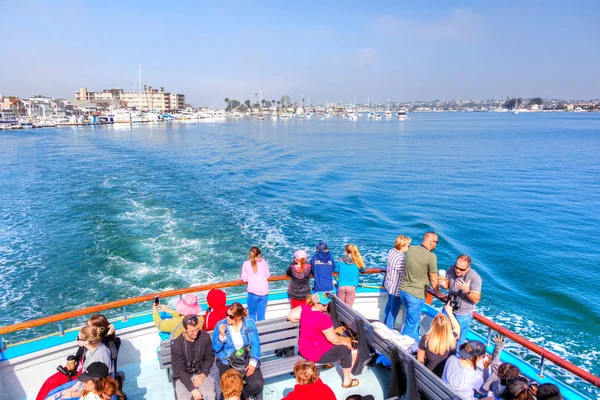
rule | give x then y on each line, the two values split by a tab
353	382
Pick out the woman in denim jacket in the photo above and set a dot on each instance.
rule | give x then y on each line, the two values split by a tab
235	334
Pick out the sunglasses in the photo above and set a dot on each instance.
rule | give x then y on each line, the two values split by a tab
80	339
189	319
230	316
461	269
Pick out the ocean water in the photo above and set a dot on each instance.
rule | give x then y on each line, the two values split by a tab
89	215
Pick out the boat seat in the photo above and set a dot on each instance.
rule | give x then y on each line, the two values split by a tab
416	380
277	336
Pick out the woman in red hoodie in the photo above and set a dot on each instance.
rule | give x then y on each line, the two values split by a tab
308	384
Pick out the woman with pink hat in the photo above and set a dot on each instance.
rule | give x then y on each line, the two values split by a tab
299	272
187	305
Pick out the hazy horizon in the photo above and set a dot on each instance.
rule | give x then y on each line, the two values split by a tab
413	52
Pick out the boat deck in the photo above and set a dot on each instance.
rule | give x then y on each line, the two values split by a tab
152	384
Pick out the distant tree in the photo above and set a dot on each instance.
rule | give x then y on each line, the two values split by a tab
273	102
536	101
511	104
278	103
226	100
267	104
263	101
235	103
256	105
285	100
247	103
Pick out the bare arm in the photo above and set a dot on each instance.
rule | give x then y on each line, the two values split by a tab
332	337
453	320
421	356
433	278
294	315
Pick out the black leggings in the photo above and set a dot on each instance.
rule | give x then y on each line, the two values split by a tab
253	384
337	353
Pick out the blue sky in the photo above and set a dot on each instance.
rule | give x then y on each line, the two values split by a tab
330	51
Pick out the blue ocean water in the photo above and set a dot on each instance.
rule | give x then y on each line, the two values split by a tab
89	215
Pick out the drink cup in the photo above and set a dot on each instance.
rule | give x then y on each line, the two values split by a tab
442	276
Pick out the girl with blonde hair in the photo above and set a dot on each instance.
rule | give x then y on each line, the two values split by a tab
348	268
439	342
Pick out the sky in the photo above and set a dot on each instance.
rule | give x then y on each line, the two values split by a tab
328	51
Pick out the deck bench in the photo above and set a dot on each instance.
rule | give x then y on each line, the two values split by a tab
275	334
420	382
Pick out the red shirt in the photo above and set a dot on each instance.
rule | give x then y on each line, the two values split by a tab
304	392
313	343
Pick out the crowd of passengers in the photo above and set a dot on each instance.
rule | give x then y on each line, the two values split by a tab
227	365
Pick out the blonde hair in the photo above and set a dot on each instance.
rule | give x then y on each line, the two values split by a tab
231	383
440	338
402	241
356	256
306	372
91	334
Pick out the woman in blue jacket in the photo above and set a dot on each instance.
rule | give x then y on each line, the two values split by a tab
237	336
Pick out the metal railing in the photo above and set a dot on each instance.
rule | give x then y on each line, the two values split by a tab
492	326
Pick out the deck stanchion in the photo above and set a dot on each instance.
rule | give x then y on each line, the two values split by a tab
124	314
1	345
489	336
61	331
542	366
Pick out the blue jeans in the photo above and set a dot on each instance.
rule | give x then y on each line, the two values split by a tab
257	306
413	306
464	322
392	307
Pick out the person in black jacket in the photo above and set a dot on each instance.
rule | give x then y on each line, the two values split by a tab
192	357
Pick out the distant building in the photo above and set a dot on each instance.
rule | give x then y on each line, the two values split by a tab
149	99
12	104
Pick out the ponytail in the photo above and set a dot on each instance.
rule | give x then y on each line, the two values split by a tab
254	254
355	255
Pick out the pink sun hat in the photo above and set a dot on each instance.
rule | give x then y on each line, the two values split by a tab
188	305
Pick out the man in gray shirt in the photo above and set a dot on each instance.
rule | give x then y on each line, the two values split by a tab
465	292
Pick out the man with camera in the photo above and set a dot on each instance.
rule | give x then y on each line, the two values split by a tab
192	357
465	292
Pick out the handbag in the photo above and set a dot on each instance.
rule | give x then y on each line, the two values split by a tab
240	358
346	335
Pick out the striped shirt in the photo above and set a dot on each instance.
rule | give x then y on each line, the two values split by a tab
395	272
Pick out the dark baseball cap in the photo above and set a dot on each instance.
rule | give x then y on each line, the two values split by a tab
472	349
94	371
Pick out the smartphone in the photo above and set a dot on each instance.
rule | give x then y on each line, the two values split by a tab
156	301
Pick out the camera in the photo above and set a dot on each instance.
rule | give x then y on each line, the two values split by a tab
191	368
454	299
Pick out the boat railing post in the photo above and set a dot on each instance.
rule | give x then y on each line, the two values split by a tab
1	345
542	366
124	313
489	335
61	331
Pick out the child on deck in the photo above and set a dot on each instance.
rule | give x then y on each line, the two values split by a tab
348	268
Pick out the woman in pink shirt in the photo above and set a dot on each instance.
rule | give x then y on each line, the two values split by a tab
318	342
255	273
